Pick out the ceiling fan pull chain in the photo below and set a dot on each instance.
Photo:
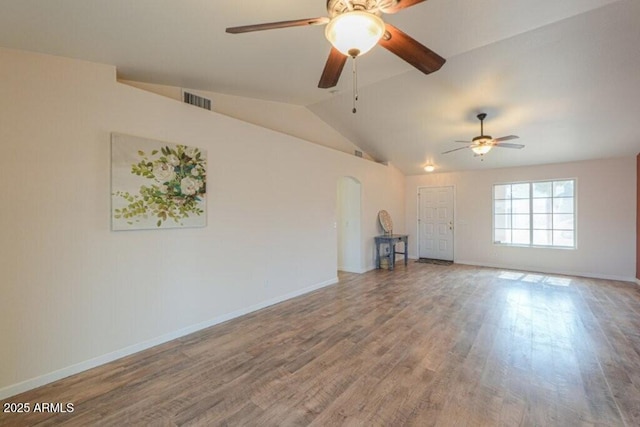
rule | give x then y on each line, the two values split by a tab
355	84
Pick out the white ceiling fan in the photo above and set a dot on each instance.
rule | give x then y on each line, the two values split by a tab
482	143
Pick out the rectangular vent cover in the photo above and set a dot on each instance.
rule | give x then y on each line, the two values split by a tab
198	101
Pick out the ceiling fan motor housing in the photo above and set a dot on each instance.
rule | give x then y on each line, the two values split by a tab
482	139
338	7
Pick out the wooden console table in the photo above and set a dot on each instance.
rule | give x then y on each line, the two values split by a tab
392	240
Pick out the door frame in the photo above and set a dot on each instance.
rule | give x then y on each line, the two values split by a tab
453	187
356	241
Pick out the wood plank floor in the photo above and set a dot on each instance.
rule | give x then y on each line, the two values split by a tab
422	345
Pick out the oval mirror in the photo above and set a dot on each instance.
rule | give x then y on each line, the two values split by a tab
385	221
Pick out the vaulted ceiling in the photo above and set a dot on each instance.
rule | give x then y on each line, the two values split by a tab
563	75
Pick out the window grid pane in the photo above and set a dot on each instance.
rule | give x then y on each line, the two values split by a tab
543	206
542	221
520	206
541	189
502	192
502	221
521	237
502	235
521	222
520	191
542	237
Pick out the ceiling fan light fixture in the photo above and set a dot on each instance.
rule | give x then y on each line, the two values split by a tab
429	168
483	147
355	33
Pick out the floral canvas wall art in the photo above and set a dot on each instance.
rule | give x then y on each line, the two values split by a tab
156	184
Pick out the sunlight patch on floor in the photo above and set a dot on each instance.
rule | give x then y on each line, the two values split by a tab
535	278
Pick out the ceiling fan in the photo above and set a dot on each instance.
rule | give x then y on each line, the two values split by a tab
353	28
482	144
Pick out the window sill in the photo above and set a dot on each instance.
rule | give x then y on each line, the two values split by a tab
512	245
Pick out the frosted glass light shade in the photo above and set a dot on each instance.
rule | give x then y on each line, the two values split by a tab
484	146
481	149
354	33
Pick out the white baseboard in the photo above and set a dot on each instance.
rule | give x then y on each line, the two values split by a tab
352	270
399	261
548	271
39	381
369	268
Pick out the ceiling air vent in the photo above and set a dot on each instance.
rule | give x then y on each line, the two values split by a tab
198	101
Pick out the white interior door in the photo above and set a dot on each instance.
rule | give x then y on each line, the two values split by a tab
435	223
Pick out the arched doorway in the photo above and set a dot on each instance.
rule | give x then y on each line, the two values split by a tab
348	225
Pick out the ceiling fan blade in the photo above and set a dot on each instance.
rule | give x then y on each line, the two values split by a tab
332	69
506	138
464	142
456	149
274	25
416	54
509	145
400	4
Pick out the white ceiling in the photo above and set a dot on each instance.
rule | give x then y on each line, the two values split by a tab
563	75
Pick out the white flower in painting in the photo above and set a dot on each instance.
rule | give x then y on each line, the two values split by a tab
189	186
191	151
163	172
195	172
164	189
173	160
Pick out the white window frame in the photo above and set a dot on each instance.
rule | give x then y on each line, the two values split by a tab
531	228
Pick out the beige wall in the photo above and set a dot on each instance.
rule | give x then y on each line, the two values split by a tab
294	120
75	294
606	200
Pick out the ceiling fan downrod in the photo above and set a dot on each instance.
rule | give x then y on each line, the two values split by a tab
481	117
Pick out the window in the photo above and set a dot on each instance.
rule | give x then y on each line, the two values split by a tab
541	213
